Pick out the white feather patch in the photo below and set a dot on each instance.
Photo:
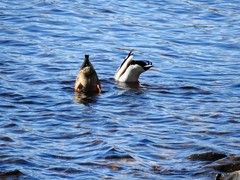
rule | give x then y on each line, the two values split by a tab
123	68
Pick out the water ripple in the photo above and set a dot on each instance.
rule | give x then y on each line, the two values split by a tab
187	105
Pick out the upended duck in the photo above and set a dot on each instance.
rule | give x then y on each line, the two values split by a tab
130	70
87	80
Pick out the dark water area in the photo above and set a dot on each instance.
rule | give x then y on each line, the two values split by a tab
188	104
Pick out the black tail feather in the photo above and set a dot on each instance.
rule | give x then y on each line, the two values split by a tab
144	64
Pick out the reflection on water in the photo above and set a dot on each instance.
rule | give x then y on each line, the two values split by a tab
132	85
187	107
85	98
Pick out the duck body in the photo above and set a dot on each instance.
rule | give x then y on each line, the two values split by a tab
130	70
87	80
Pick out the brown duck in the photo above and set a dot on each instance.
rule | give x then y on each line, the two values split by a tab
87	80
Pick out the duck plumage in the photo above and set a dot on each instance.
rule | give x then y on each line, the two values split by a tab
130	70
87	80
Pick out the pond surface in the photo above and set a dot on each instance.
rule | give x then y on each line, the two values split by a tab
188	103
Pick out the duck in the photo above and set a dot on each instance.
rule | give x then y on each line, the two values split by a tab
130	70
87	79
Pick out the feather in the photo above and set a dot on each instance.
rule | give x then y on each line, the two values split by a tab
130	70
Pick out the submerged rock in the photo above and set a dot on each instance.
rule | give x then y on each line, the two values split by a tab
15	172
225	167
208	156
229	176
230	167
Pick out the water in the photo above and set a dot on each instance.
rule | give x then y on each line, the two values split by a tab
189	103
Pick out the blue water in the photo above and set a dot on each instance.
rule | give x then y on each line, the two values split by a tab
189	103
